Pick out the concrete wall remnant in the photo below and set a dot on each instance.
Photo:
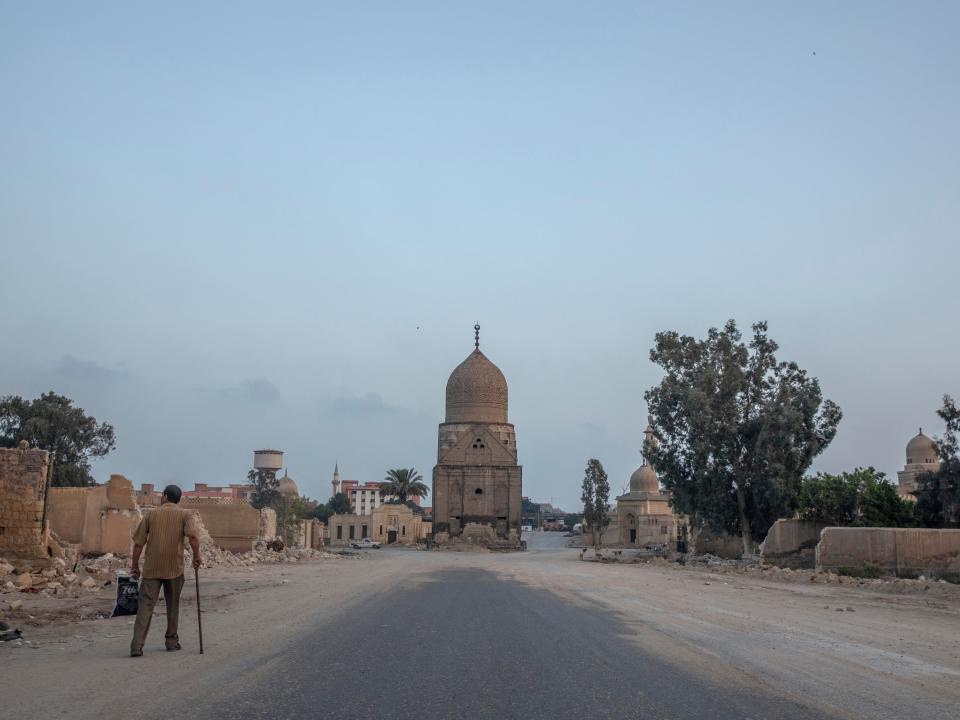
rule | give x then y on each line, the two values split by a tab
906	552
234	527
310	534
792	543
24	473
100	519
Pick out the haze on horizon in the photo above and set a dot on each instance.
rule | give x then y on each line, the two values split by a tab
229	227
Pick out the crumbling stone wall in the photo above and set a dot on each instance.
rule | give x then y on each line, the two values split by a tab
24	473
310	534
232	526
268	524
792	543
101	519
906	552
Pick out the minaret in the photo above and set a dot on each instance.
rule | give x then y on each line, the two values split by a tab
336	479
650	441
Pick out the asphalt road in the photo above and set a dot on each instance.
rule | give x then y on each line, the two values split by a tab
469	643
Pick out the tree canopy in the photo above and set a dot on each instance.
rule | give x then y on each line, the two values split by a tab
862	498
404	484
51	422
737	428
595	494
266	489
340	504
938	494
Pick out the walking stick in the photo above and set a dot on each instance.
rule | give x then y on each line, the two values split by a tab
196	577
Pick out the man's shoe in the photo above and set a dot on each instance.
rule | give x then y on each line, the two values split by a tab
173	648
136	653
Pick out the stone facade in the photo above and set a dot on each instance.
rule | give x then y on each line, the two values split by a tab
477	479
393	523
346	527
24	474
643	516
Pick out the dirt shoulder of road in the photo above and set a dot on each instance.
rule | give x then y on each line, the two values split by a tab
852	647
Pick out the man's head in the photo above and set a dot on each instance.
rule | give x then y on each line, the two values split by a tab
171	493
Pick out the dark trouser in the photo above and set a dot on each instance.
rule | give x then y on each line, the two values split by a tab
149	594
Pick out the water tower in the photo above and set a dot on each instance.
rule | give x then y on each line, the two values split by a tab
268	461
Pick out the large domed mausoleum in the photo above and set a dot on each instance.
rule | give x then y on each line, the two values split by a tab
477	481
643	516
921	458
476	391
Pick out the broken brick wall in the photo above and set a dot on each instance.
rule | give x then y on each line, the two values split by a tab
24	473
101	518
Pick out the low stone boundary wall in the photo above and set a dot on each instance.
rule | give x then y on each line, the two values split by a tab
232	527
906	552
792	543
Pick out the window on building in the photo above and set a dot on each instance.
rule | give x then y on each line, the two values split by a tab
339	532
478	491
663	530
403	529
381	529
352	533
364	531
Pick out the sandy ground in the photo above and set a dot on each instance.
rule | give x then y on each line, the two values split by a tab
852	651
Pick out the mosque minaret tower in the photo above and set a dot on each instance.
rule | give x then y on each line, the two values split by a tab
477	481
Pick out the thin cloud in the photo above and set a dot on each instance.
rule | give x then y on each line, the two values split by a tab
73	368
257	391
367	405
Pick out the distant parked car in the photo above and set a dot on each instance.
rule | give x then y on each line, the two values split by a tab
365	543
527	528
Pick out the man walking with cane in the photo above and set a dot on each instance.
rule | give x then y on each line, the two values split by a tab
162	532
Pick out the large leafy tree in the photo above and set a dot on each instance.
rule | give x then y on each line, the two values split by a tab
340	504
938	494
861	498
266	489
51	422
404	484
595	494
737	428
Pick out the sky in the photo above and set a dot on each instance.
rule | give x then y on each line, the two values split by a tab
227	226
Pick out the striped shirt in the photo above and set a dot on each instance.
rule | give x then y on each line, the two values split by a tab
162	532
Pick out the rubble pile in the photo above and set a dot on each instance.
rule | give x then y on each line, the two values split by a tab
89	574
214	556
263	552
61	578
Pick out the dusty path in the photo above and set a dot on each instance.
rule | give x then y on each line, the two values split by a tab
414	634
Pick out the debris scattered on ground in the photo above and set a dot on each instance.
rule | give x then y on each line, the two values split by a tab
7	633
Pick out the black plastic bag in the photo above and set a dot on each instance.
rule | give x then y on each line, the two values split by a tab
128	591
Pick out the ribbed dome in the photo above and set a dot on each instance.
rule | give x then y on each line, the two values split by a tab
644	479
476	392
287	486
920	450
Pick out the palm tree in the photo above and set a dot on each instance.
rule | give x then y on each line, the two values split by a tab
404	483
